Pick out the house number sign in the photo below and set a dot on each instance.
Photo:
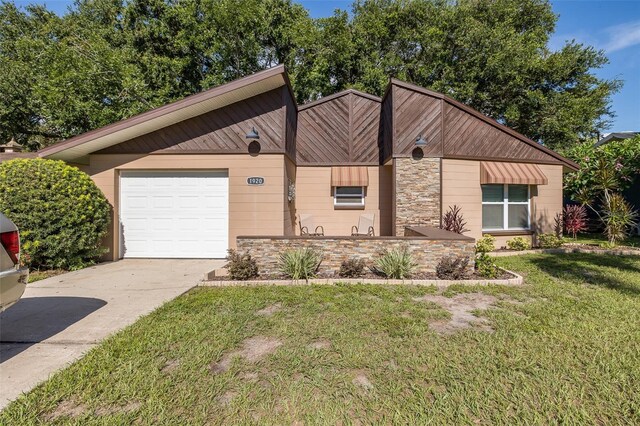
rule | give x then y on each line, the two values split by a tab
255	180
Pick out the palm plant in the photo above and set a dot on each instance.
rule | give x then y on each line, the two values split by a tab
300	264
396	264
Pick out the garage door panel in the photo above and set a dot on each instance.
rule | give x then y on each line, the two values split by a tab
174	214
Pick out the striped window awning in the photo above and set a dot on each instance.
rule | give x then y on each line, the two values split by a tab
511	173
349	176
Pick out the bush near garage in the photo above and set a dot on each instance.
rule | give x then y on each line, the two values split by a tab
61	213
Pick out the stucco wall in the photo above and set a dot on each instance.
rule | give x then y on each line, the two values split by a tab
461	186
546	200
426	252
417	192
289	206
314	196
257	210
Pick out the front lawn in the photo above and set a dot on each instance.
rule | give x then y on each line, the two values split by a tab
598	239
564	348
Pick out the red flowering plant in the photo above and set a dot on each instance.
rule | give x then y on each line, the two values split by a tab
575	219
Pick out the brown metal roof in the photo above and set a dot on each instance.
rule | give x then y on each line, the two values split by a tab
337	95
485	119
349	127
195	105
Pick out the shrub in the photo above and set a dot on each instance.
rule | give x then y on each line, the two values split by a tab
241	266
300	264
61	213
518	243
485	266
452	268
396	264
618	217
549	241
484	263
486	244
575	219
453	221
352	268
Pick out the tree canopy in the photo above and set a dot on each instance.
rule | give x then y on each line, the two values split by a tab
106	60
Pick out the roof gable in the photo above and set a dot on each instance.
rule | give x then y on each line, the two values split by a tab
200	103
222	130
468	133
342	128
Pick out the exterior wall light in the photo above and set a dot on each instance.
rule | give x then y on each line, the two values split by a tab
420	141
253	134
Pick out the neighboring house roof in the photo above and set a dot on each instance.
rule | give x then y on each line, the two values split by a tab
6	156
616	136
349	127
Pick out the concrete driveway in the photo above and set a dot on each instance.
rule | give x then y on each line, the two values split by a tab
60	318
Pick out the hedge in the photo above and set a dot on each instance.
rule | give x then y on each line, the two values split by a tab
61	214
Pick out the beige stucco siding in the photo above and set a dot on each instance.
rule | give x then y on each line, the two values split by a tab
461	186
253	210
289	213
546	200
314	196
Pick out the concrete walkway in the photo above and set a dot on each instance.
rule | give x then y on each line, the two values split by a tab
60	318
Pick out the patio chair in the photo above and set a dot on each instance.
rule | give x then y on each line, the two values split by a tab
308	226
365	226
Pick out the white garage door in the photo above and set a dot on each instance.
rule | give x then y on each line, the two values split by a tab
174	214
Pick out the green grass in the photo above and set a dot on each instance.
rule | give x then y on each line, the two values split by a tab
37	275
631	241
567	352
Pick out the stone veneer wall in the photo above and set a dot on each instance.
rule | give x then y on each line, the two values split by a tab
426	252
417	192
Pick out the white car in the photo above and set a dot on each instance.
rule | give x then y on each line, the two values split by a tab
13	279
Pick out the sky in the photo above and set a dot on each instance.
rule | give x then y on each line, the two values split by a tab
610	25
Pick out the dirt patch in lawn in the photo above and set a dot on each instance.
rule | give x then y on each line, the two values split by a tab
253	349
227	397
362	381
460	307
320	344
170	366
115	409
67	408
270	310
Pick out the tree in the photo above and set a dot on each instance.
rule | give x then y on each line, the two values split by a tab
109	59
59	77
490	54
605	172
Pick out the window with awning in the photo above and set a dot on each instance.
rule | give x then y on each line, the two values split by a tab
511	173
349	183
349	176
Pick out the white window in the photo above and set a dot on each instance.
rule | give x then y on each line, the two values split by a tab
505	207
348	196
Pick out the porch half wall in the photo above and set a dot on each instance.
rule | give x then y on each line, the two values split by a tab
426	251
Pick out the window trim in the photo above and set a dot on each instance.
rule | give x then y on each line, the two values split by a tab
336	196
505	209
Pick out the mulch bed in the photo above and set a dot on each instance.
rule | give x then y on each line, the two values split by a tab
368	276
